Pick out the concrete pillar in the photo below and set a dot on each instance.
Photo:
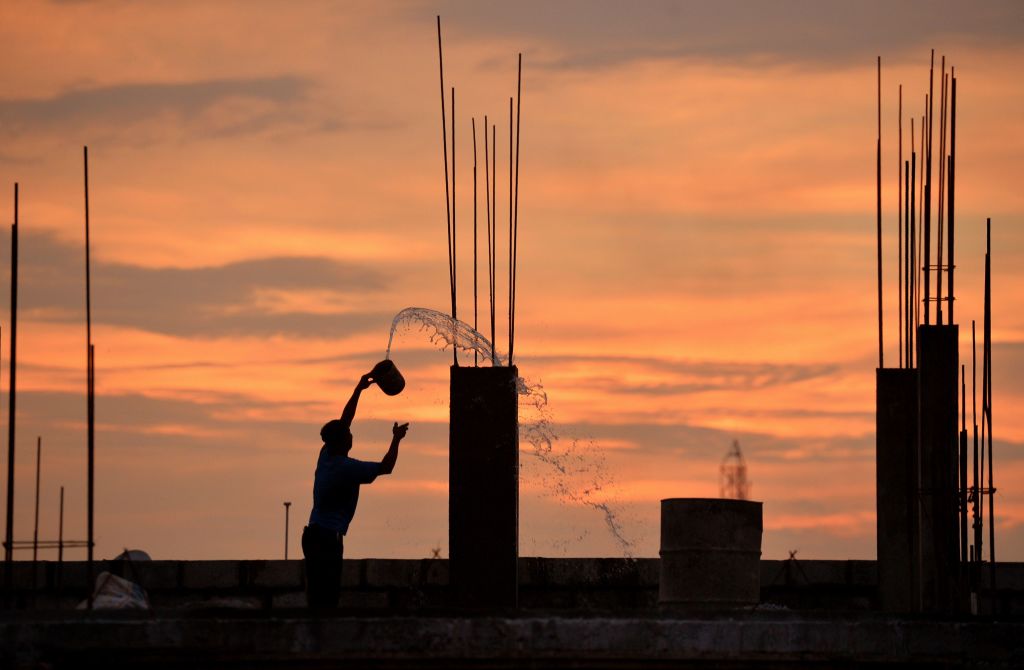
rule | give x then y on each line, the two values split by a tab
938	413
896	486
483	486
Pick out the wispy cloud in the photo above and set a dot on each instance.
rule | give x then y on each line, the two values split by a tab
210	108
214	301
594	34
676	377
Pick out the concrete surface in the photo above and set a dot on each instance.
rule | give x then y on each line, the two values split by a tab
291	640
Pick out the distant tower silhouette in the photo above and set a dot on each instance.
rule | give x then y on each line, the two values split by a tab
732	477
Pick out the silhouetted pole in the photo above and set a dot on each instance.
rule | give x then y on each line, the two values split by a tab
921	219
490	242
60	531
476	360
914	304
982	491
976	509
11	414
35	530
90	381
940	200
448	195
92	452
908	300
511	234
455	264
962	497
878	161
988	414
899	223
515	226
287	507
950	186
494	240
928	195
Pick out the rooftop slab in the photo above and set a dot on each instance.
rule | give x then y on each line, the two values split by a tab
294	640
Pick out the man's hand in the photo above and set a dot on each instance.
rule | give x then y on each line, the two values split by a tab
387	464
400	431
365	381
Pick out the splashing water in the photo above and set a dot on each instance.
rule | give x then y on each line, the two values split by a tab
445	332
576	474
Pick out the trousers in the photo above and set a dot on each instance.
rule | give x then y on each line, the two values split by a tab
322	549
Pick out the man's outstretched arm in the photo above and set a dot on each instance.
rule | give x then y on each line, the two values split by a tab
387	464
349	413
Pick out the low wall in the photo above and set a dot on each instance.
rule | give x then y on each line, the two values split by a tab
592	584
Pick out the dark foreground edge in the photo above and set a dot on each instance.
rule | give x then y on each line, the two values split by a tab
754	640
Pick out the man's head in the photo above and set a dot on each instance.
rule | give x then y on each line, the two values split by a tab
336	436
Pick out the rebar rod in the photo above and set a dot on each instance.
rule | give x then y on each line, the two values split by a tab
927	177
447	193
511	213
35	529
92	453
913	242
921	241
454	254
984	413
12	388
976	492
962	480
476	355
927	231
951	190
490	253
988	414
899	225
88	273
494	249
878	177
940	200
908	300
26	545
60	531
90	416
515	216
912	250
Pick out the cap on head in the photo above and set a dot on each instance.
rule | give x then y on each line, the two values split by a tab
336	434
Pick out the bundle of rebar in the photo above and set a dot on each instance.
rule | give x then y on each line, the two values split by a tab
490	198
915	196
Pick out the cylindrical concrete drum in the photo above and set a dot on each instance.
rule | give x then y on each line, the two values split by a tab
710	553
388	378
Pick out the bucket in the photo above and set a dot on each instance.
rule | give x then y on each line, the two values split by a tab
386	375
710	553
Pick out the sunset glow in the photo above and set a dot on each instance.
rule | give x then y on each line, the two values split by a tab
696	256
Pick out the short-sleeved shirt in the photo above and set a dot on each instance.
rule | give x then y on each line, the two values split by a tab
336	489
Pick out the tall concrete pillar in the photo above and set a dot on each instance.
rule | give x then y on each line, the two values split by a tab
483	487
938	412
896	487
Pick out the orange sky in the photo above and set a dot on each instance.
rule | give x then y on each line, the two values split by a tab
696	254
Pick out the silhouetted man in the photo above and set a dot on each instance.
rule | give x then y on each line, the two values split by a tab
335	494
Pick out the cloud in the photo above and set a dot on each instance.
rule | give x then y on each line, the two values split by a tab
694	376
214	301
210	108
586	34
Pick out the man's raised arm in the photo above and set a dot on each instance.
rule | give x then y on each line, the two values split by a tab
349	413
387	464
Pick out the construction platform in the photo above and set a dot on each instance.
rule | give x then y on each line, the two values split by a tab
573	613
